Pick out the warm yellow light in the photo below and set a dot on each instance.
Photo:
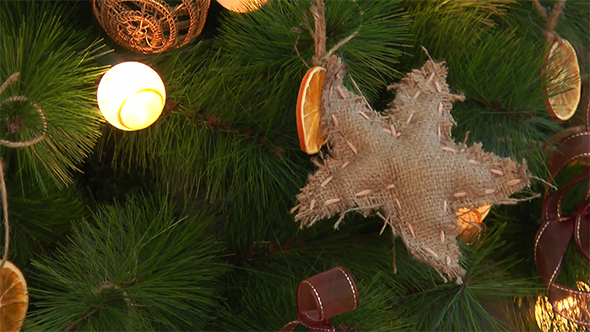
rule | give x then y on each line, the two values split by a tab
131	96
242	6
547	320
470	222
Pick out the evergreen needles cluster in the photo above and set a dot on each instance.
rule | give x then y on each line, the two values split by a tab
145	265
40	220
209	244
412	299
57	72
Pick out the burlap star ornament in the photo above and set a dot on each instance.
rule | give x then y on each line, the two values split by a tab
403	165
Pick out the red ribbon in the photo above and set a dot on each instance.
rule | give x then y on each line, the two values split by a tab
557	230
323	296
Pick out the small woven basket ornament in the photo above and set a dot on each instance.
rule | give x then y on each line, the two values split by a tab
151	26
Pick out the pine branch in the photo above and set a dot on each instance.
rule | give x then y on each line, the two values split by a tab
58	74
142	266
499	70
242	179
246	180
224	137
449	28
39	220
452	307
267	287
287	46
573	25
413	299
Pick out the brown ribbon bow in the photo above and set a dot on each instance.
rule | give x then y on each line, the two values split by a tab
323	296
557	230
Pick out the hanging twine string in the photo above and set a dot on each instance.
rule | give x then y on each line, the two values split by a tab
12	144
550	20
319	35
5	209
320	57
32	141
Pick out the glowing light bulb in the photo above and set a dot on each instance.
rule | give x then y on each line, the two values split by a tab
131	96
242	6
547	320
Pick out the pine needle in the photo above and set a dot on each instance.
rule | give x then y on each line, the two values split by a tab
57	72
138	266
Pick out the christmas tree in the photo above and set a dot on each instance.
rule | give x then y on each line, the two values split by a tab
188	223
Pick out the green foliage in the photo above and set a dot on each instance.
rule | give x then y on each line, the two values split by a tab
572	25
450	307
145	265
269	39
267	287
227	139
227	134
505	103
510	72
57	73
413	299
39	220
106	184
498	66
241	159
253	186
450	28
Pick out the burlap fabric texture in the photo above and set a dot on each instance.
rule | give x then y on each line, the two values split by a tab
404	166
151	26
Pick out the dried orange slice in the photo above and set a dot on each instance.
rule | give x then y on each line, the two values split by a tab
14	298
469	222
308	110
564	70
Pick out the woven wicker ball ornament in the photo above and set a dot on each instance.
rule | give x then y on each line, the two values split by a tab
151	26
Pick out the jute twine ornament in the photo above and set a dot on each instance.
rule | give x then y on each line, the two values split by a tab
550	20
151	26
403	165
